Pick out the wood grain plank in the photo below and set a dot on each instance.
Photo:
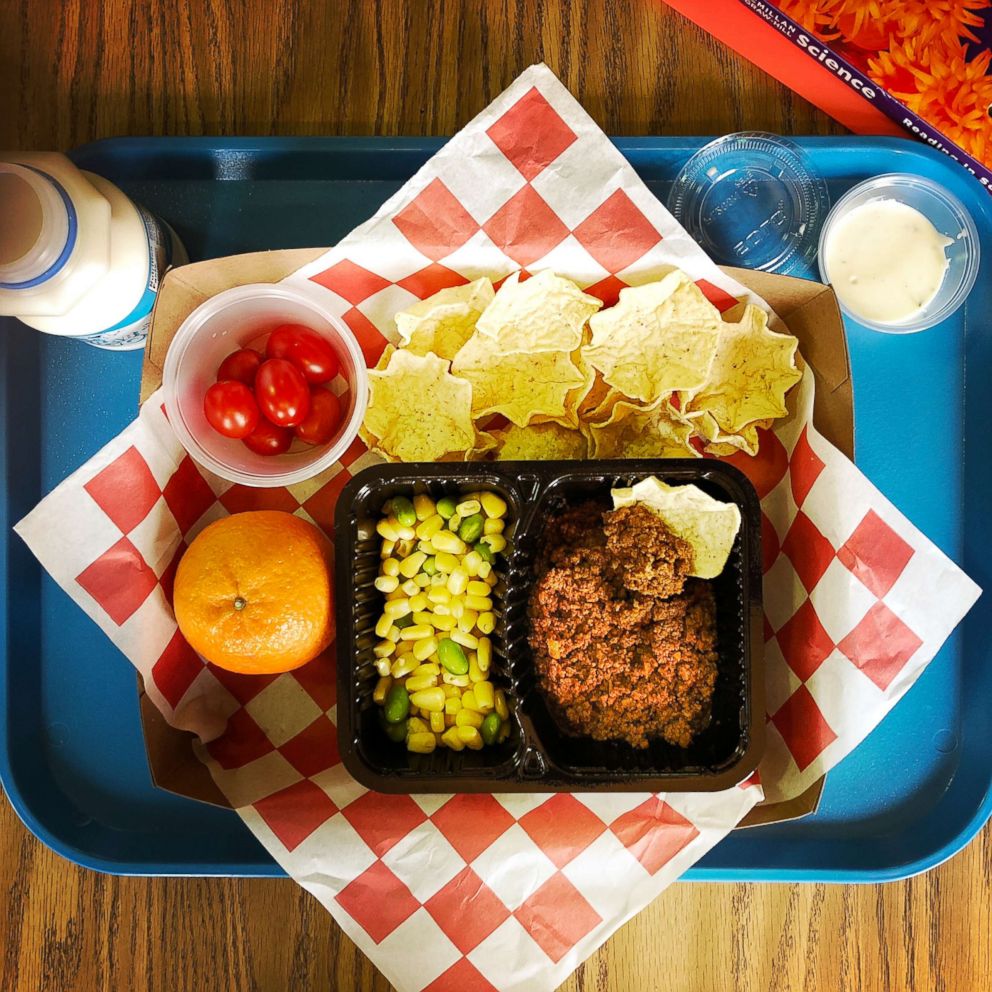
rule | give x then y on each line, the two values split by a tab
76	70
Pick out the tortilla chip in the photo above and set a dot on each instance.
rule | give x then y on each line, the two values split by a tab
660	337
541	442
418	410
521	386
544	313
445	321
752	370
632	431
708	525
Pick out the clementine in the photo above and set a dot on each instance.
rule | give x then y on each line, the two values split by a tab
253	592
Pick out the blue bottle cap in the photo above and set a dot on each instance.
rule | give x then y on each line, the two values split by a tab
752	199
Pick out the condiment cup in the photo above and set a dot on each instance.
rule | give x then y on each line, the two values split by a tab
242	317
948	216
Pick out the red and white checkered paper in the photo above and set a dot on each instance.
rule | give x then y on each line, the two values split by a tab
510	891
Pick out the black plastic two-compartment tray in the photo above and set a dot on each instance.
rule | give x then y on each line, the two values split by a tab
538	756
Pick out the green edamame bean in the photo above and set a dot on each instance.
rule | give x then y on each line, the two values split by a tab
471	528
429	566
446	507
452	657
404	512
485	552
396	732
397	706
402	622
490	728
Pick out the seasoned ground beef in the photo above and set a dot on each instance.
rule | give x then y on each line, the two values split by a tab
624	644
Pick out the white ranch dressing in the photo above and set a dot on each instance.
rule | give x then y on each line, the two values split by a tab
886	261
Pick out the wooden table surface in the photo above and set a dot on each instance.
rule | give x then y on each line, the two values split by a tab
75	70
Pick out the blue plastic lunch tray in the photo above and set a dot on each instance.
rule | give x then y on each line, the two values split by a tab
72	759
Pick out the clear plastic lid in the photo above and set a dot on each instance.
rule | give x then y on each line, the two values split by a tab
37	229
752	199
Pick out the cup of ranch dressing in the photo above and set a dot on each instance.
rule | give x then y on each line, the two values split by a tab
900	252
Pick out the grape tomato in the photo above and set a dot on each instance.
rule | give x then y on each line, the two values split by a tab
323	420
268	439
241	366
282	393
312	354
230	409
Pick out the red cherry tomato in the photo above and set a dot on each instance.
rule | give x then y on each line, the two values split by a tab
230	409
312	354
282	393
267	439
240	366
322	421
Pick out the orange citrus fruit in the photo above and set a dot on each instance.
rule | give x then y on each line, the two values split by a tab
253	592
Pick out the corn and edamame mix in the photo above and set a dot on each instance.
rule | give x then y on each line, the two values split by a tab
434	653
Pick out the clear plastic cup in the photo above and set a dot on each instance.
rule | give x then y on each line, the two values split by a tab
947	214
242	317
752	199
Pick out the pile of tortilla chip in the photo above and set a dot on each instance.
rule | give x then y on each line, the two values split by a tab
539	370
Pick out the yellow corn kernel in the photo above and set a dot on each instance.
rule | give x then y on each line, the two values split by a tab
423	506
424	648
495	541
426	547
504	732
417	682
417	726
467	621
457	581
464	639
470	737
439	594
410	565
437	723
468	507
396	608
410	588
386	549
383	666
386	529
416	632
469	701
485	570
480	603
423	616
402	532
438	579
445	561
429	527
500	705
457	607
390	566
451	739
477	588
475	673
395	594
493	527
384	649
487	622
422	579
490	578
485	650
442	621
431	700
462	681
472	562
386	583
403	665
493	505
393	634
452	704
418	602
451	691
446	541
383	624
380	690
468	718
442	610
454	522
428	668
484	696
421	743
